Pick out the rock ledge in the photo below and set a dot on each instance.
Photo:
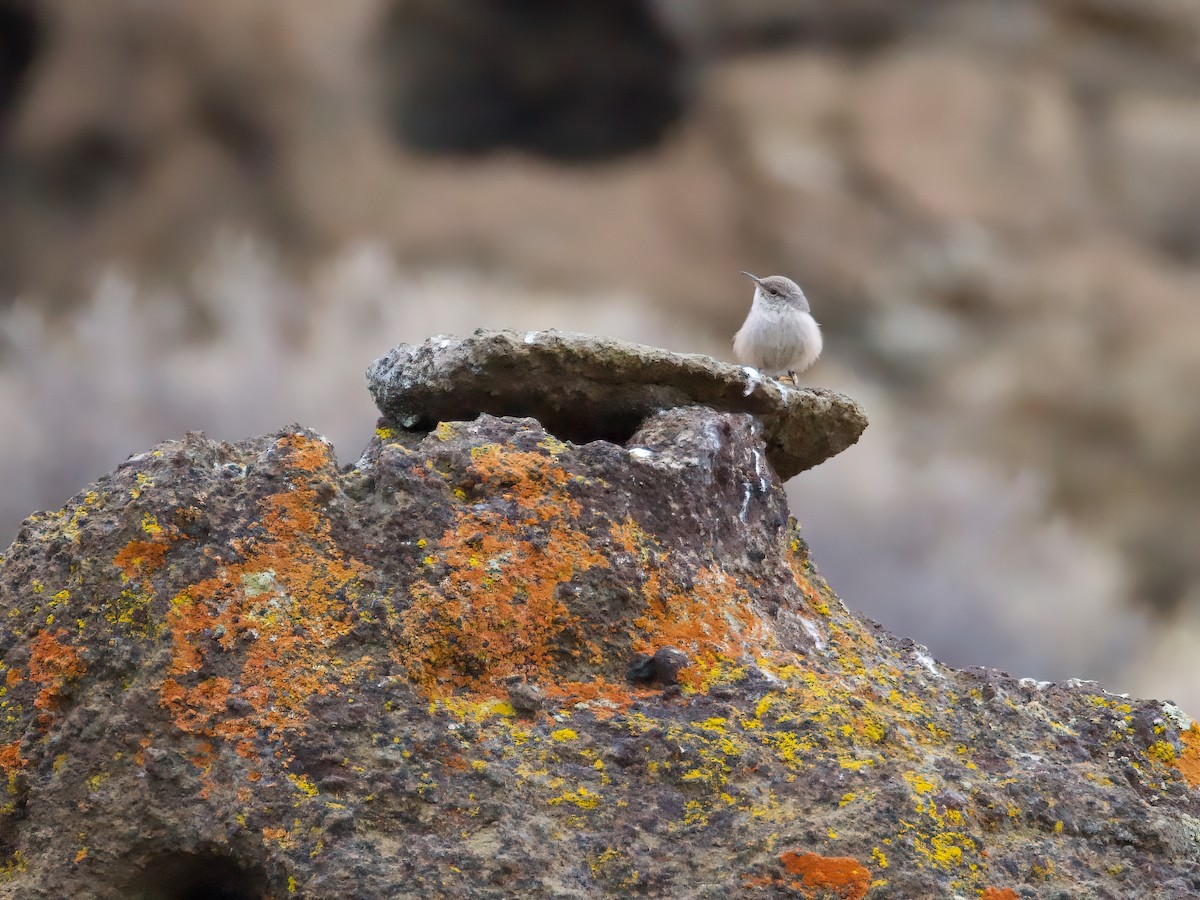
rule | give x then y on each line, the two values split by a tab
584	388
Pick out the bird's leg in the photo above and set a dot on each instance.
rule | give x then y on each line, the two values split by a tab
792	376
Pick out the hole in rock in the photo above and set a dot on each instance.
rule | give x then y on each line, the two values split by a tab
573	80
197	876
579	426
20	40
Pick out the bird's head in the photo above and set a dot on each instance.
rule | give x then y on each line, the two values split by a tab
777	289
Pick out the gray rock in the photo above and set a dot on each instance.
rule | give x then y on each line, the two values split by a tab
583	388
667	663
527	699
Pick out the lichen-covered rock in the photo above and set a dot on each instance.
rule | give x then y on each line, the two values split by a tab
584	388
240	671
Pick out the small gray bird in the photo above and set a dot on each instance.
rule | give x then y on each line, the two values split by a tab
780	335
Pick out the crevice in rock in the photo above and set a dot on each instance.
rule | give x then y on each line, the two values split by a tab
196	876
580	425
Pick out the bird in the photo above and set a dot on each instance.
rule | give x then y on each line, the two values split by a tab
779	335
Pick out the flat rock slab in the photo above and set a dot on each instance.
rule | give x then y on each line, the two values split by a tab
584	388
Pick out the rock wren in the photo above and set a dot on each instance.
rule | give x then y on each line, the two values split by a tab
780	335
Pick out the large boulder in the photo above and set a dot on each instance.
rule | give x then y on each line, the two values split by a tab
486	661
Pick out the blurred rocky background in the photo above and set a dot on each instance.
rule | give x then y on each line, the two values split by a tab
215	213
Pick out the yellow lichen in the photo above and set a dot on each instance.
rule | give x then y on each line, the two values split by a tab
303	784
919	783
581	797
1162	751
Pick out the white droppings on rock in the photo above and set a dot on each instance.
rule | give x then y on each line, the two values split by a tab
810	628
531	337
747	492
767	678
641	452
928	662
760	470
753	380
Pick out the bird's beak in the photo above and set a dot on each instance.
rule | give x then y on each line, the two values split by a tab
755	278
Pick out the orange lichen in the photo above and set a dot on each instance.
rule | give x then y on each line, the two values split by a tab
609	695
10	757
497	613
52	666
998	894
759	881
800	576
629	537
714	619
270	620
141	558
843	875
306	454
1188	761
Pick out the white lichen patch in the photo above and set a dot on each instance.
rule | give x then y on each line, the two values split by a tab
257	583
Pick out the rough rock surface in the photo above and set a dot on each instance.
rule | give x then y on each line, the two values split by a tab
584	388
241	671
